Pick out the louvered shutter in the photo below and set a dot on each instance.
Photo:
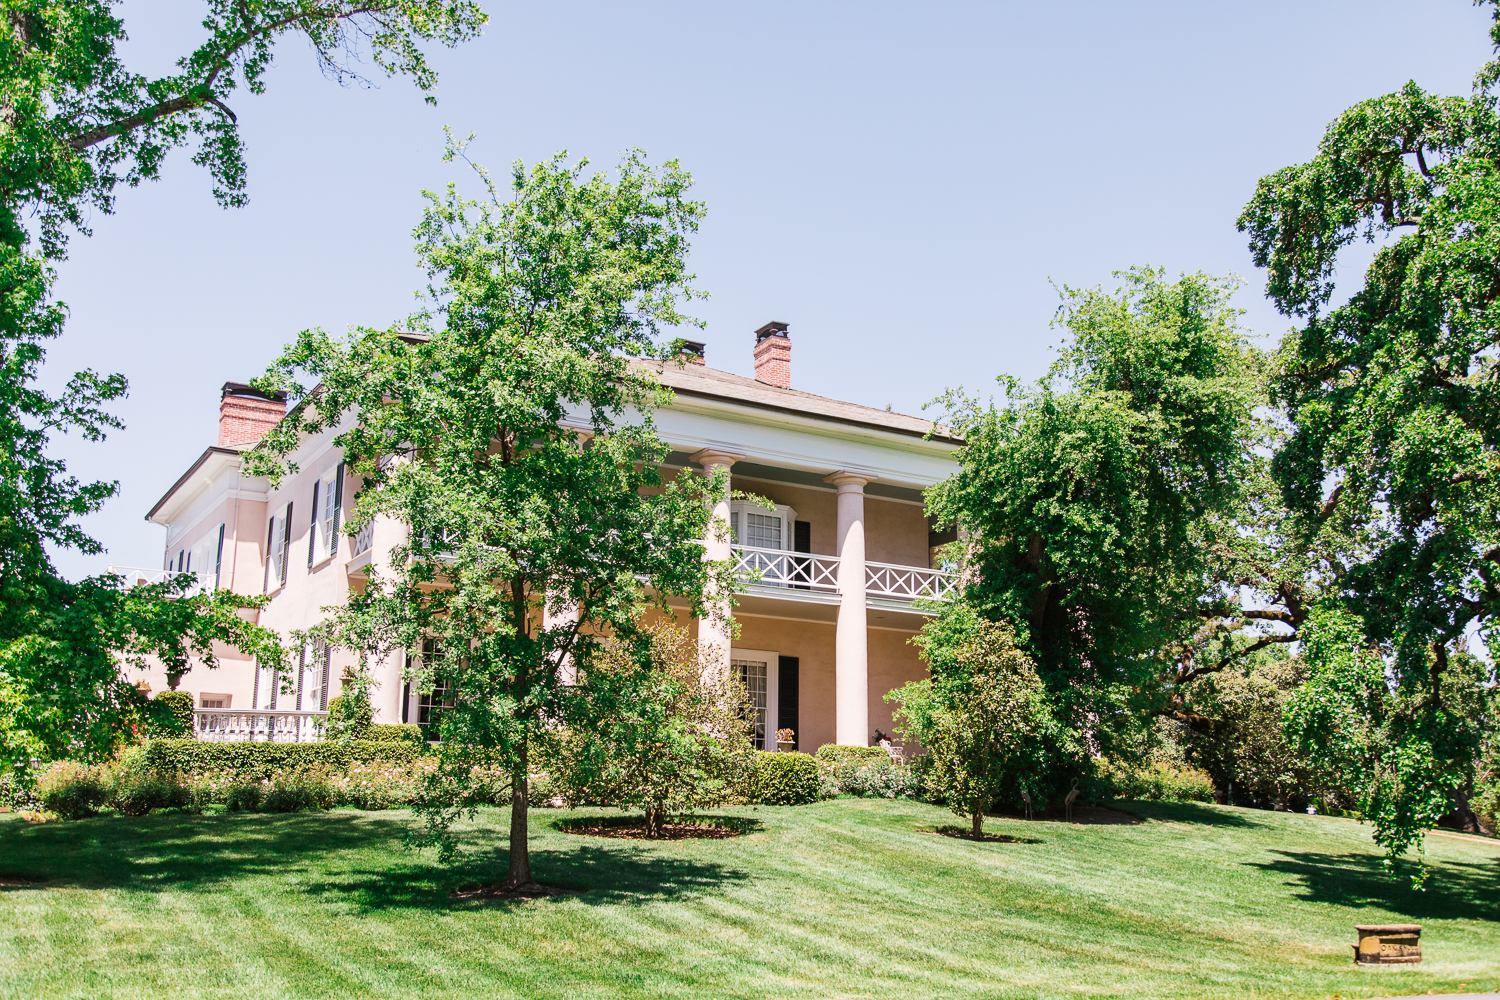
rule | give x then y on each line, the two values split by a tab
327	659
312	531
286	543
338	509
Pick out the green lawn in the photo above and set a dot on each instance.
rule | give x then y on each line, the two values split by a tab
850	898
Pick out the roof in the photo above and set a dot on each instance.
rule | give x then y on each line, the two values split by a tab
700	380
209	452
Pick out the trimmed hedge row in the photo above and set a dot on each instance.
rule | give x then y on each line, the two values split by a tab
180	704
261	760
837	754
387	732
786	779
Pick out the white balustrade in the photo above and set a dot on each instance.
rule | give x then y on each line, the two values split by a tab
364	540
220	725
909	583
754	566
136	576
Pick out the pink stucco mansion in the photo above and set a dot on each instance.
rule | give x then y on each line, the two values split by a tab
838	577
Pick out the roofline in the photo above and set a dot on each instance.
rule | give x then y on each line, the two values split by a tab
796	412
210	450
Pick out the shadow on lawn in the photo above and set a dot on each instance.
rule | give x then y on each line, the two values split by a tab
1188	812
302	853
1455	888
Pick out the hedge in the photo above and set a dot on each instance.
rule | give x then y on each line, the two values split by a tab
386	732
786	779
261	760
180	704
837	754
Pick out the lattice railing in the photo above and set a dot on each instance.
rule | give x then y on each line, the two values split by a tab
778	568
218	725
364	540
909	583
136	576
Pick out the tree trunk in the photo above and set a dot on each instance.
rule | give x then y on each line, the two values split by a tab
520	855
978	824
656	817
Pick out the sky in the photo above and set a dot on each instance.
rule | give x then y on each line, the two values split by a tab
906	185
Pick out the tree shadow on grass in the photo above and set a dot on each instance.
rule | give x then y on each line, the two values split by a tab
1188	812
301	852
1454	889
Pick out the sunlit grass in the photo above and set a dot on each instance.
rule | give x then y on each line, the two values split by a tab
851	898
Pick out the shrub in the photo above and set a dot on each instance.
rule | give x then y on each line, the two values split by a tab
73	790
786	779
349	718
374	786
179	704
136	795
834	754
18	791
880	779
1151	782
244	796
255	761
384	732
295	791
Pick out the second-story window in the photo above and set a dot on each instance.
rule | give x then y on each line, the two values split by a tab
328	501
751	524
278	540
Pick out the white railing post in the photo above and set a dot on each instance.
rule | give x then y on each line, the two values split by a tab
219	725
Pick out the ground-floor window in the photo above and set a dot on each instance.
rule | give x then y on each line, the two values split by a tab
757	670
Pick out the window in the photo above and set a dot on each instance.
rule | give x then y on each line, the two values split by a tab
214	700
203	559
328	500
430	701
751	524
278	539
315	698
757	670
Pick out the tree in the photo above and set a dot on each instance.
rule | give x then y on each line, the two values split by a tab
661	730
980	714
1405	753
1108	507
496	427
77	125
1392	466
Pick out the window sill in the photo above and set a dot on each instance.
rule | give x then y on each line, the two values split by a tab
324	561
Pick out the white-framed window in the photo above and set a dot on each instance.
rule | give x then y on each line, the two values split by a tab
314	687
278	540
328	501
206	700
205	558
757	670
753	525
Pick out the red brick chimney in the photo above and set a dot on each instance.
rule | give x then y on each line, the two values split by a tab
773	355
245	414
692	352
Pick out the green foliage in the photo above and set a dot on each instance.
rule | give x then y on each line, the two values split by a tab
879	778
464	423
137	795
180	705
78	126
1152	782
386	732
1404	752
786	779
349	718
72	790
835	754
980	715
257	761
659	730
1105	505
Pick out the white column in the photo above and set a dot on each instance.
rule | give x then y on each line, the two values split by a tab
713	635
851	652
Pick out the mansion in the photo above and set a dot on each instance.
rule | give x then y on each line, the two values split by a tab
832	583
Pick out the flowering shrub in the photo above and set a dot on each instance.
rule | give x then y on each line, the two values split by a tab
878	779
375	786
72	790
1151	782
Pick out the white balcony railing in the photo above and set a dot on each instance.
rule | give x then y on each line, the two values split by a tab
778	568
805	571
219	725
363	540
136	576
909	583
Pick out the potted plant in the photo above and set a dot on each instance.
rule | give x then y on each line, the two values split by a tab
786	740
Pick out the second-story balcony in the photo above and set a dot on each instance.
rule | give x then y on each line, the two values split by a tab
776	572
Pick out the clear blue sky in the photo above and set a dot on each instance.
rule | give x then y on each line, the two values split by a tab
900	183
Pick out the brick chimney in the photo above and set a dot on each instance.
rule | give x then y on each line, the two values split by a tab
245	414
773	355
692	352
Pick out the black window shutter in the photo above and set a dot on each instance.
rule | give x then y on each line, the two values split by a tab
312	532
327	659
802	536
270	540
338	508
219	557
788	676
301	673
286	544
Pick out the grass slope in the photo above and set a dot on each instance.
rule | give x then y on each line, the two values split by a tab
849	898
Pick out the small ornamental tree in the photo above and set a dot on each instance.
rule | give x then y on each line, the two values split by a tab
664	731
979	715
508	428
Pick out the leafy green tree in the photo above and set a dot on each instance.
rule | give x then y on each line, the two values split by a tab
1117	510
1405	752
1392	464
663	731
497	427
981	714
77	125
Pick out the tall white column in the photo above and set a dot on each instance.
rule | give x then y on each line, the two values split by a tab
713	634
851	670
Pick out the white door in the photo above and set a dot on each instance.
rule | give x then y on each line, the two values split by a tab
757	670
